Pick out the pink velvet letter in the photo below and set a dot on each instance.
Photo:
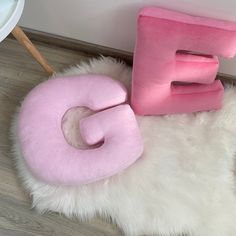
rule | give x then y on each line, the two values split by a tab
175	62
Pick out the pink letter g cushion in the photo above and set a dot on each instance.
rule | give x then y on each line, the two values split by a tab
45	150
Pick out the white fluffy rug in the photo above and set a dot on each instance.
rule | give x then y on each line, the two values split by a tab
183	182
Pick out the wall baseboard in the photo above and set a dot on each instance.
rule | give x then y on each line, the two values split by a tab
77	45
93	49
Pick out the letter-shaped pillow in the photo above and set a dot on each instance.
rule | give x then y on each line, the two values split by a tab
45	150
173	47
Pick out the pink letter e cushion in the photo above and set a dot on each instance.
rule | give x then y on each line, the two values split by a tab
175	62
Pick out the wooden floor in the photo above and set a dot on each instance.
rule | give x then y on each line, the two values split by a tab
18	74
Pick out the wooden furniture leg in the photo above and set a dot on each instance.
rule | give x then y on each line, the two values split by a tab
24	40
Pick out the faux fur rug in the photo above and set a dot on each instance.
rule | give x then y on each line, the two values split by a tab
183	183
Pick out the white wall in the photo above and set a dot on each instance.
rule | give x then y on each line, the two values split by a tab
112	23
